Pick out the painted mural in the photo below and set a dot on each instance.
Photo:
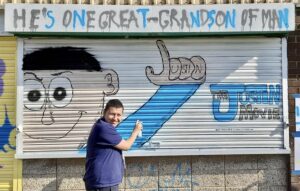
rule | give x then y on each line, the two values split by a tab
7	112
51	89
181	95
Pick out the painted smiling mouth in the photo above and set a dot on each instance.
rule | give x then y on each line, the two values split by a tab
64	135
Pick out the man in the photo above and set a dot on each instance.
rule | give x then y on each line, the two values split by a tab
104	162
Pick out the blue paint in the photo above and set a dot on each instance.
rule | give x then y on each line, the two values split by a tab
144	12
82	150
230	19
181	175
232	91
297	111
296	134
195	19
52	20
2	72
244	94
275	94
211	18
156	111
80	18
295	172
150	171
256	93
5	131
283	18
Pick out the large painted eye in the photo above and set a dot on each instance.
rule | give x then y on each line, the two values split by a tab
34	94
60	92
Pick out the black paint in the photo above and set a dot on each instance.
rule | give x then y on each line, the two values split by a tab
61	58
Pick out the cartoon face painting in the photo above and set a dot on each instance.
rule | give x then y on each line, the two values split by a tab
64	88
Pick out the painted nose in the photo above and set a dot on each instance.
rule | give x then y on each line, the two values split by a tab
47	118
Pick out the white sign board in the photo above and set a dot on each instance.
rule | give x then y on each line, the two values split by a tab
297	137
250	18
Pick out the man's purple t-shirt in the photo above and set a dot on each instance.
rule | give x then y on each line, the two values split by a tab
104	163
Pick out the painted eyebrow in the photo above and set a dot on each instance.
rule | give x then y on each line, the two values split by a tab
34	75
60	73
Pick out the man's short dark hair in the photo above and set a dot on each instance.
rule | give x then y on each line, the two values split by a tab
113	103
61	58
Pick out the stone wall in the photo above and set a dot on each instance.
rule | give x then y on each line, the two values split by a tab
203	173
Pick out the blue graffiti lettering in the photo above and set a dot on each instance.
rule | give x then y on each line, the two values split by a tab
211	17
230	19
275	94
232	91
181	174
52	20
141	170
245	94
80	18
144	15
195	19
283	18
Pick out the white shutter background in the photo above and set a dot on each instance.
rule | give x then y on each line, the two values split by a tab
238	60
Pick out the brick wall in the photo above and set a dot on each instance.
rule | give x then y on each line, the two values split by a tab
294	88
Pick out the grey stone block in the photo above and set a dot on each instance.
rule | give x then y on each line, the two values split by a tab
241	178
209	189
247	162
70	166
70	182
272	188
141	173
247	188
174	189
208	178
143	189
39	166
175	172
122	185
207	163
39	182
272	162
276	177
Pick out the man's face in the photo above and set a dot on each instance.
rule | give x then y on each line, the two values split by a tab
113	115
58	102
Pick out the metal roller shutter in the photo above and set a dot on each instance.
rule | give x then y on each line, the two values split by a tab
194	96
7	111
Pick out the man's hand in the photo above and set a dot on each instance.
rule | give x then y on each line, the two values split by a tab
126	144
